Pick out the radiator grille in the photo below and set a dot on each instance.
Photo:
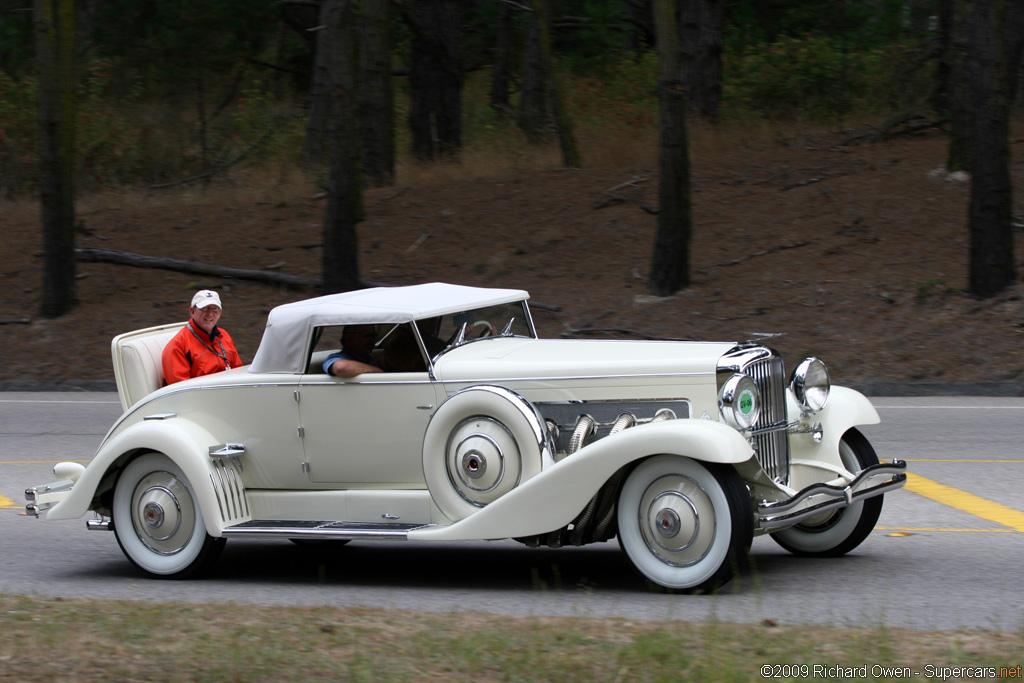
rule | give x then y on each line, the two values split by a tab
772	446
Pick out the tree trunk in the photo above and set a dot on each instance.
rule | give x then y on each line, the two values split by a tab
670	267
501	72
344	187
563	122
377	97
957	96
700	34
996	33
435	78
533	110
319	92
55	50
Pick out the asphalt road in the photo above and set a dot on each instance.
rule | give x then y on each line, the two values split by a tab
947	554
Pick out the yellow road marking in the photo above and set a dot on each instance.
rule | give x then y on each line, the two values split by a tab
8	503
967	502
972	531
35	462
954	460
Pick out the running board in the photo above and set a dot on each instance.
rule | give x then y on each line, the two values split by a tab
312	529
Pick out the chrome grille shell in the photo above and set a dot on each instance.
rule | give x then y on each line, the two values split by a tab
766	368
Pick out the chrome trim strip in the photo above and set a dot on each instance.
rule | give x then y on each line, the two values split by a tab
777	515
387	531
227	450
99	525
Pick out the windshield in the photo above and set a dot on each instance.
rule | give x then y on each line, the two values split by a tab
455	329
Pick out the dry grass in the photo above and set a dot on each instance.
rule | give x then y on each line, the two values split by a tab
45	639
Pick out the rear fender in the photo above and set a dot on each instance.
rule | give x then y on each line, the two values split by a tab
554	497
186	444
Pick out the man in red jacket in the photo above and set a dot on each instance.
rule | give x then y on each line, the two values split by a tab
200	347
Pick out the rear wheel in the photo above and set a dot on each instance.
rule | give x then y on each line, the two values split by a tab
157	521
838	532
684	524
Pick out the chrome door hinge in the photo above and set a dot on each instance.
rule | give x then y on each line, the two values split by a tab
305	467
296	395
302	432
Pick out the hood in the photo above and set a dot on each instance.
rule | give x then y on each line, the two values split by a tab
517	358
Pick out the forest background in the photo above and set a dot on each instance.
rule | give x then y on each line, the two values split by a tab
197	114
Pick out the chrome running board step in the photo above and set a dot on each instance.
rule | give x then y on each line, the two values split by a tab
388	531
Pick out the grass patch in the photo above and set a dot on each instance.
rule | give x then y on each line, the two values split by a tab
46	639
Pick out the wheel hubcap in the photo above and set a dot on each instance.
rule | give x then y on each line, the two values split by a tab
163	513
677	520
483	460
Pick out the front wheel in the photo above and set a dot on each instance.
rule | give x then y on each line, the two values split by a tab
684	524
840	531
158	522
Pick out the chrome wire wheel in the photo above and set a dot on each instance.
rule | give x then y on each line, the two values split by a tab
157	520
684	524
840	531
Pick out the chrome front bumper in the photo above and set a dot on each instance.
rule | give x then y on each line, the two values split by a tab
818	498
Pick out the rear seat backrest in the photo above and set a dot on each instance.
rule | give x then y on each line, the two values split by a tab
142	362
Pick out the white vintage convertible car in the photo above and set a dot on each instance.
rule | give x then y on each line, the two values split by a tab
682	450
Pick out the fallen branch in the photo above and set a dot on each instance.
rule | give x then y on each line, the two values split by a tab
124	258
766	252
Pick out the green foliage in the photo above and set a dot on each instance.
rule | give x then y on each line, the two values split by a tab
622	94
864	23
812	77
19	137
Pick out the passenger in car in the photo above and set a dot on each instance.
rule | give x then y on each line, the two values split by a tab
200	348
356	355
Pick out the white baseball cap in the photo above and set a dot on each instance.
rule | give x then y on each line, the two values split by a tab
206	297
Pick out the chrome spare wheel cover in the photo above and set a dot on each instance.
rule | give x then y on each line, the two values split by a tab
163	513
482	460
677	520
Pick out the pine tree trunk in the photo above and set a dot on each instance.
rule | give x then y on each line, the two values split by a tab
319	92
700	36
435	78
55	50
501	73
344	188
377	97
533	109
996	30
670	267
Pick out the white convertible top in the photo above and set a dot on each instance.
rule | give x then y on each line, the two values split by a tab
284	344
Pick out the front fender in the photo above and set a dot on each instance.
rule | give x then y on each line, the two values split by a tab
554	497
183	442
816	462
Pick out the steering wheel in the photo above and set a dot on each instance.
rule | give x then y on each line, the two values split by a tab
486	329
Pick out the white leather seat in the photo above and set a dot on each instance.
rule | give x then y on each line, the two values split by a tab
138	361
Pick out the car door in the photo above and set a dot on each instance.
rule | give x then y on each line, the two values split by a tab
366	431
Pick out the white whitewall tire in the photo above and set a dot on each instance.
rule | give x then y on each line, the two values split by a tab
685	524
480	444
158	522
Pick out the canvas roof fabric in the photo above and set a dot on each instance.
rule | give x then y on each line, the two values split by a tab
283	348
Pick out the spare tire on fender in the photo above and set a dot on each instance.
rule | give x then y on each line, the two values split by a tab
480	444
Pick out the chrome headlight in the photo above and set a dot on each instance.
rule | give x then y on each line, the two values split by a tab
739	401
811	384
